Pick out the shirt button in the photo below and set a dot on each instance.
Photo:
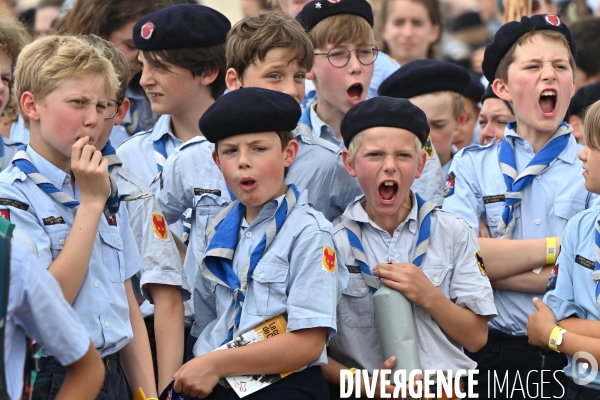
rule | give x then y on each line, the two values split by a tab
526	146
119	242
261	275
106	324
67	179
538	177
436	279
61	241
363	290
537	221
494	219
248	234
96	284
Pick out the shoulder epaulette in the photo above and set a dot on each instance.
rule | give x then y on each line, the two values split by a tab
191	142
474	147
140	133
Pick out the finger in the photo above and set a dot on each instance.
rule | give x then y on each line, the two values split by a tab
78	147
538	303
389	363
96	158
178	385
87	152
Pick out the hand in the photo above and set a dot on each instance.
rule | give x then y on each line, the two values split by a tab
484	231
197	377
389	389
540	324
91	171
407	278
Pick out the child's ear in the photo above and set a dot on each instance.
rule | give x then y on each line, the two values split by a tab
122	111
215	157
501	90
209	76
310	75
29	106
291	150
232	80
462	118
347	164
422	166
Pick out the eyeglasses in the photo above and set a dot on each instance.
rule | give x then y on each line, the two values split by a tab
339	56
109	108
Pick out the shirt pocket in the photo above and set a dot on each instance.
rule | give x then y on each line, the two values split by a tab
57	241
356	307
206	208
112	256
267	290
566	208
493	216
439	276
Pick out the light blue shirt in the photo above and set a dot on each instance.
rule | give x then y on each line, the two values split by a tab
101	303
10	149
289	279
18	132
552	198
575	291
137	154
160	257
37	309
451	266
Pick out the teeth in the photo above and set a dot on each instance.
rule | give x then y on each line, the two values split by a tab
355	97
547	93
388	183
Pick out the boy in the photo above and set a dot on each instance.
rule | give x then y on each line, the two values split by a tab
384	138
269	253
569	322
182	51
586	35
37	309
525	187
436	87
495	114
584	97
342	35
468	133
59	184
162	280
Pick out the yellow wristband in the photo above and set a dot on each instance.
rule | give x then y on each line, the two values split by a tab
353	372
556	337
551	250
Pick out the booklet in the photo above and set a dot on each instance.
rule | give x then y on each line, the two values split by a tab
248	384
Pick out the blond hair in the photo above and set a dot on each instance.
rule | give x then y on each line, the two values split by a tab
591	126
358	139
251	39
45	64
13	37
341	28
509	57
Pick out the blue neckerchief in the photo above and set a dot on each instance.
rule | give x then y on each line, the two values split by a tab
307	99
355	236
596	273
515	183
1	152
132	125
305	118
221	248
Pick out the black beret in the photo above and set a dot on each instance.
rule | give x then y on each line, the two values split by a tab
466	20
316	11
474	89
585	97
384	111
510	32
489	93
181	26
249	110
425	76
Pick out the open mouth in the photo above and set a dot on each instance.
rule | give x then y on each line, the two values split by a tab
355	91
548	102
388	191
248	183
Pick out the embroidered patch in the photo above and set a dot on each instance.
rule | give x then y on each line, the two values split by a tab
584	262
499	198
428	147
111	219
14	203
160	227
449	186
5	214
552	279
53	221
552	19
147	30
353	269
328	259
480	263
200	192
334	1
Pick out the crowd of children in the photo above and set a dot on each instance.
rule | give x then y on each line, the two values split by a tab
169	182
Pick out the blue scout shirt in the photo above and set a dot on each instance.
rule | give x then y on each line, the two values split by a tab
8	151
574	294
290	278
450	263
138	155
475	190
101	303
18	132
37	309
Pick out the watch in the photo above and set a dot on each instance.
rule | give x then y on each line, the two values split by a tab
556	338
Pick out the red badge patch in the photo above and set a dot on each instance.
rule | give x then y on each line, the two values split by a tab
147	30
449	186
334	1
552	19
5	214
111	219
160	226
328	259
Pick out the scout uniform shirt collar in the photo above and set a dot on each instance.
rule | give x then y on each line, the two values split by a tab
163	127
356	212
320	128
568	155
55	175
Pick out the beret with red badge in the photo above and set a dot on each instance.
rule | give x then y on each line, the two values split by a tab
510	32
181	26
316	11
